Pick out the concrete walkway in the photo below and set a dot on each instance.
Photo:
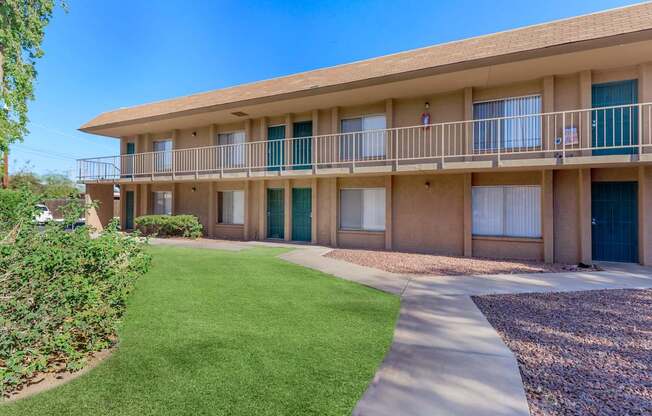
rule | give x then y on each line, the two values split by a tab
446	359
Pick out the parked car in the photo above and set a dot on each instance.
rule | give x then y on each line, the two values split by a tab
42	215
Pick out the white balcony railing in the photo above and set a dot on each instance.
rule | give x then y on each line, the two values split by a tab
561	135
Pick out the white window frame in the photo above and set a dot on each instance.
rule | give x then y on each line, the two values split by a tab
233	153
166	210
515	124
237	208
507	219
363	227
372	141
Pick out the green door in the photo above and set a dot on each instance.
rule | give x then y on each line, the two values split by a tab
301	214
614	126
129	210
302	145
275	213
614	219
275	151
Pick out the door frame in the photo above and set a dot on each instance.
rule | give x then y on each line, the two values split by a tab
634	221
294	222
600	124
279	158
304	145
130	213
270	216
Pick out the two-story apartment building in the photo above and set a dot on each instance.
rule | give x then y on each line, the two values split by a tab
534	143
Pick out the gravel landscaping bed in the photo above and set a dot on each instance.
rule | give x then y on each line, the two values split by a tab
580	353
412	263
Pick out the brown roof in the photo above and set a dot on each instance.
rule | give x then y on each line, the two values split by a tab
606	24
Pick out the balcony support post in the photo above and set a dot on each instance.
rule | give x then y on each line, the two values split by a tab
563	138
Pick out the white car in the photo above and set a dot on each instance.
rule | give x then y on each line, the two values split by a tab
42	215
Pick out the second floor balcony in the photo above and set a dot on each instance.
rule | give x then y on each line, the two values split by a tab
616	134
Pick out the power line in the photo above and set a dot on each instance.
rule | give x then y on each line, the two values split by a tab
48	152
47	155
60	133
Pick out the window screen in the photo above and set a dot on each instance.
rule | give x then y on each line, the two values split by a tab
234	148
511	122
230	207
365	139
362	209
162	203
511	211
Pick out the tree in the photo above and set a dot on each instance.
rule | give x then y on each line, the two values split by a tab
56	185
22	26
27	180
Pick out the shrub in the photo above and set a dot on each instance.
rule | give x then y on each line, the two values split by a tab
62	292
12	204
170	225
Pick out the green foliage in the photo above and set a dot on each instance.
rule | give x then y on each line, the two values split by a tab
48	186
56	185
22	26
16	209
26	179
63	292
170	225
217	332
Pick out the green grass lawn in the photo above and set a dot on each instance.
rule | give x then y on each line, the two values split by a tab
211	332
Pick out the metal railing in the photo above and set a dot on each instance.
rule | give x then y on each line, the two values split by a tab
625	129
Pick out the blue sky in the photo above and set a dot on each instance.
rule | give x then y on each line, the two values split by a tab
102	55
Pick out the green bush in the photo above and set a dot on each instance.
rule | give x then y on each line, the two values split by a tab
169	225
11	204
62	292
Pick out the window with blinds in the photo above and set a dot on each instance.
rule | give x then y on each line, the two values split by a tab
230	207
234	150
162	202
512	123
509	211
363	137
362	209
162	155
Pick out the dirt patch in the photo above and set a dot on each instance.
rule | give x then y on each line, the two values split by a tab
580	353
412	263
46	381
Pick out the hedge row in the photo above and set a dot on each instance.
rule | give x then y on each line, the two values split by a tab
169	226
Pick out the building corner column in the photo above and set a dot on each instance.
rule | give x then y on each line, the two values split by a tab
586	84
287	212
584	215
389	212
468	115
547	216
333	212
314	213
468	215
212	209
175	199
123	207
548	107
262	211
247	218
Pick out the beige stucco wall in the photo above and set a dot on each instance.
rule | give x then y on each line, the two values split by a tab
192	198
102	195
428	214
566	202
